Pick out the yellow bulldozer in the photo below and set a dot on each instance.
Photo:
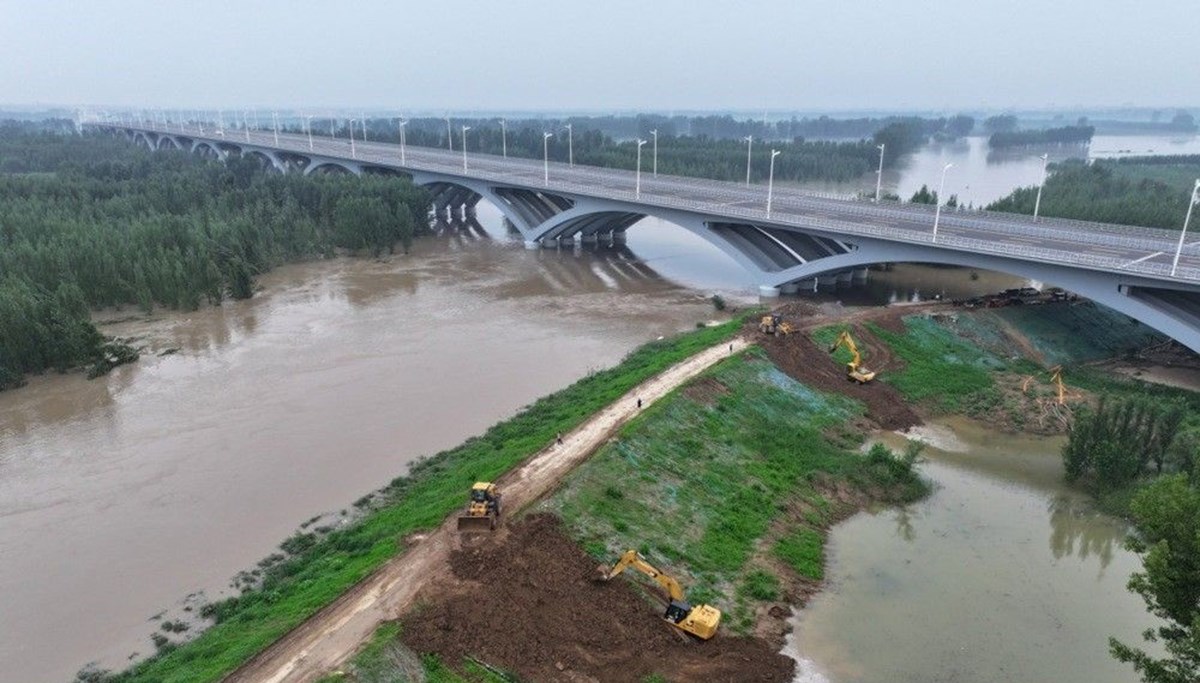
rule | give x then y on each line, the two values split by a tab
774	324
855	371
700	621
483	508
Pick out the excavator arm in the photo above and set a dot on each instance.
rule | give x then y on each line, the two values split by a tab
701	621
854	369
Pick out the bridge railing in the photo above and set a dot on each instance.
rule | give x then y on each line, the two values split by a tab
793	207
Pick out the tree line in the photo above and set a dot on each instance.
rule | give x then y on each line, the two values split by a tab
1151	446
1109	191
1066	135
95	222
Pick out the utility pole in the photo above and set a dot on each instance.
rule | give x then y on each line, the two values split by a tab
1187	219
771	180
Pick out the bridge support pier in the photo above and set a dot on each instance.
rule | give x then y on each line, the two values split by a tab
791	288
768	292
532	245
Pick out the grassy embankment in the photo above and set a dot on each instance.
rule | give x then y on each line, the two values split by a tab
730	484
320	567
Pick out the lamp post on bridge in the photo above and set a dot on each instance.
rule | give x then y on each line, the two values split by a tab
504	138
464	146
546	158
1187	219
449	135
401	123
879	173
1037	203
771	180
570	146
937	214
308	127
637	191
275	123
364	126
655	134
749	144
246	125
353	154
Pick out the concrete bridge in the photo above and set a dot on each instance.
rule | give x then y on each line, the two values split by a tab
796	240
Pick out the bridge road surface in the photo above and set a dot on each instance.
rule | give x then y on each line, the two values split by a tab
1145	252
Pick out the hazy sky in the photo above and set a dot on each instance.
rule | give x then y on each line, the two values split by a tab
601	54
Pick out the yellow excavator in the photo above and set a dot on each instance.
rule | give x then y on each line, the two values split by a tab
774	324
700	621
855	371
483	508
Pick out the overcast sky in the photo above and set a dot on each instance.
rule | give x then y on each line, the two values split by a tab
601	54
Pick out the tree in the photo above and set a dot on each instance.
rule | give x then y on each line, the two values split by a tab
960	125
1167	515
924	196
1183	121
1003	123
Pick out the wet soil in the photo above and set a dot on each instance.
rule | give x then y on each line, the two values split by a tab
801	358
526	601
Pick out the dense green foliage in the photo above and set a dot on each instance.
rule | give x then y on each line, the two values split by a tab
1115	442
701	479
1167	515
91	221
707	149
1145	191
1067	135
320	567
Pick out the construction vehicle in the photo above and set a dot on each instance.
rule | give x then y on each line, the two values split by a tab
700	621
855	371
774	324
483	509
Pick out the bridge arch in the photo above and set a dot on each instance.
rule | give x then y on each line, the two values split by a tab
1175	312
331	166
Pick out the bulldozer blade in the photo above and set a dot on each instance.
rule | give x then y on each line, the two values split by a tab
476	524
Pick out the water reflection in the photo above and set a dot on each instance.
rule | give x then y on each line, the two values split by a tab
1076	532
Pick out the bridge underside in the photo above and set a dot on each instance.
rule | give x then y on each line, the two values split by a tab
780	259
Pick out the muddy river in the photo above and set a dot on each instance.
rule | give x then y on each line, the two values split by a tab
123	495
1003	574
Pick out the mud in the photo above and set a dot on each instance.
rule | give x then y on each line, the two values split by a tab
525	601
801	358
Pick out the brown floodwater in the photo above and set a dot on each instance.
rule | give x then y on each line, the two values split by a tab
121	496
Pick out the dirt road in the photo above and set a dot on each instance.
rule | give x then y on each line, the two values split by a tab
330	636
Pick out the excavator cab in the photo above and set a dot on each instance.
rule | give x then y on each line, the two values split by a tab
700	621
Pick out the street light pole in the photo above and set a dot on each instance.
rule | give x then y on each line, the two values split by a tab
655	134
464	146
246	125
570	146
449	135
771	181
353	154
308	127
1037	203
546	157
402	124
1186	220
637	192
504	138
879	173
937	214
364	126
749	144
275	122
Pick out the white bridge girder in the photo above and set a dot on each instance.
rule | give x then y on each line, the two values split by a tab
776	256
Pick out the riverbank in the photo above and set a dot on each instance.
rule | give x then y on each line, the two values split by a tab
321	565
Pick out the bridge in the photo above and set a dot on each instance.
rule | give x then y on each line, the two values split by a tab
786	240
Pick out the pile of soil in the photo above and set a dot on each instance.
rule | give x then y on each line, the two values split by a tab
801	358
525	600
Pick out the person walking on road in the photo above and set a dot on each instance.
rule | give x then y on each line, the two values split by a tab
639	402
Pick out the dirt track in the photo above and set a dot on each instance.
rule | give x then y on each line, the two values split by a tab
330	636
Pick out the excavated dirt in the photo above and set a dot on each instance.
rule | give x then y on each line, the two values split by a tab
801	358
525	601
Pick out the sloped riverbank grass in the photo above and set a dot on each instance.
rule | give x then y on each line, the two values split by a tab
727	474
320	567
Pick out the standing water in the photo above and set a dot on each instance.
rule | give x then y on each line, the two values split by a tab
1002	574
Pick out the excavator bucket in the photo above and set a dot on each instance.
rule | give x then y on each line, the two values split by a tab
470	524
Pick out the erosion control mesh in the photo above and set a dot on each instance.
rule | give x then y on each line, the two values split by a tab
525	601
